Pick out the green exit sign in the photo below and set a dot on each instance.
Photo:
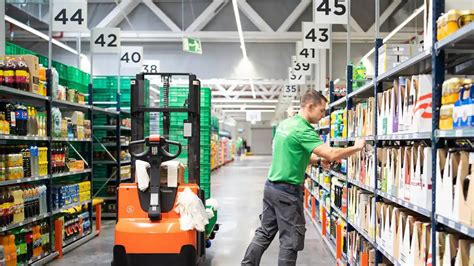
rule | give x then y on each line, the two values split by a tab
192	45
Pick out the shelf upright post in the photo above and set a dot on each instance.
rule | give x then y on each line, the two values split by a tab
91	149
378	44
438	68
49	123
119	146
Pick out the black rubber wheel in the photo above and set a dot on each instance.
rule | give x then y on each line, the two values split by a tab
216	227
120	256
212	235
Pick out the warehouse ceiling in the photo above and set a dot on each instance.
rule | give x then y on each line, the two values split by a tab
263	21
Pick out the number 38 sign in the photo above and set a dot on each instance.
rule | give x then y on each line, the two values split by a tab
70	15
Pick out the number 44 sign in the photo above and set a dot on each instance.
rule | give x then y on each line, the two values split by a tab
70	15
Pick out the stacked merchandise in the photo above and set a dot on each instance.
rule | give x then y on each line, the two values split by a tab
25	245
22	202
457	104
454	248
403	234
359	76
361	119
70	194
338	196
226	150
452	21
405	173
75	226
361	168
358	247
178	98
406	107
214	143
71	124
22	72
22	120
339	124
361	211
392	55
23	161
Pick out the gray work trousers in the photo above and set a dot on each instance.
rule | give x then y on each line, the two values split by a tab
282	212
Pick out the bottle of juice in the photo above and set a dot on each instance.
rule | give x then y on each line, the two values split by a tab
22	75
37	246
19	216
9	72
2	68
29	243
22	254
12	250
11	118
2	256
4	243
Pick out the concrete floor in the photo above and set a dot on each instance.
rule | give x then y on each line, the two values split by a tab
238	187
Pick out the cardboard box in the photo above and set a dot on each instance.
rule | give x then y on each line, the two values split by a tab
464	190
423	110
446	172
420	186
33	67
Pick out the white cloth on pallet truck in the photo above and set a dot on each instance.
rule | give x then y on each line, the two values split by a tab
141	174
143	179
193	213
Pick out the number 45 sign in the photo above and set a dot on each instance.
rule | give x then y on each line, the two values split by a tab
330	11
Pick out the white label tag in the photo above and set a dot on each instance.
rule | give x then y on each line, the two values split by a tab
300	68
316	36
306	55
296	79
188	129
131	60
154	199
151	66
330	11
70	15
105	40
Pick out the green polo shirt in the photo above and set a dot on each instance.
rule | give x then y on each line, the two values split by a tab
294	141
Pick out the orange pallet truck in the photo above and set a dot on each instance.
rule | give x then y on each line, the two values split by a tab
148	228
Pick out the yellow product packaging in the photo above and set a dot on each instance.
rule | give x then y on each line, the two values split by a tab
446	117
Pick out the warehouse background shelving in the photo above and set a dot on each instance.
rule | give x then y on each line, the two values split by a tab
428	61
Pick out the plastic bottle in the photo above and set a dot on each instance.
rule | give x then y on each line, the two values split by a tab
11	118
9	72
2	73
22	75
37	248
45	236
26	161
18	216
10	206
23	249
2	256
4	243
29	243
35	122
12	250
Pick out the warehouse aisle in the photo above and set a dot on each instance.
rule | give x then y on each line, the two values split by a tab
238	188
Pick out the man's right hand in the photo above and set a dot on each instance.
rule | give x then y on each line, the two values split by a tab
359	144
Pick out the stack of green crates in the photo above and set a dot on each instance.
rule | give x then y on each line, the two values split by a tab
177	97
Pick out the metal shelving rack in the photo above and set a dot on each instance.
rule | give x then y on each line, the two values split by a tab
435	58
48	103
117	148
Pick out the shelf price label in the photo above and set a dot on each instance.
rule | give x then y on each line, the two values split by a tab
70	15
296	79
105	40
151	66
300	68
330	11
317	36
131	60
306	55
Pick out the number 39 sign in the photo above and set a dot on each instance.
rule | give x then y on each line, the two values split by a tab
70	15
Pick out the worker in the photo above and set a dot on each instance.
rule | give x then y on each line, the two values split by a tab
296	144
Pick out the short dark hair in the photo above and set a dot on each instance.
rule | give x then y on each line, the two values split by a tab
312	96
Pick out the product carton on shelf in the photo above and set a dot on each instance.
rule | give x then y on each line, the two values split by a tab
402	102
33	67
463	209
393	232
400	235
393	106
447	246
462	256
420	186
423	108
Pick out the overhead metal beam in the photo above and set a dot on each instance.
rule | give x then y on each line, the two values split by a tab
227	36
253	16
355	26
118	13
386	13
293	17
207	15
161	15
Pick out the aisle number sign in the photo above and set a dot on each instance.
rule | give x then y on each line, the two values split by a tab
253	116
70	15
295	79
290	90
317	36
105	40
300	68
306	55
192	45
131	60
151	66
330	11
